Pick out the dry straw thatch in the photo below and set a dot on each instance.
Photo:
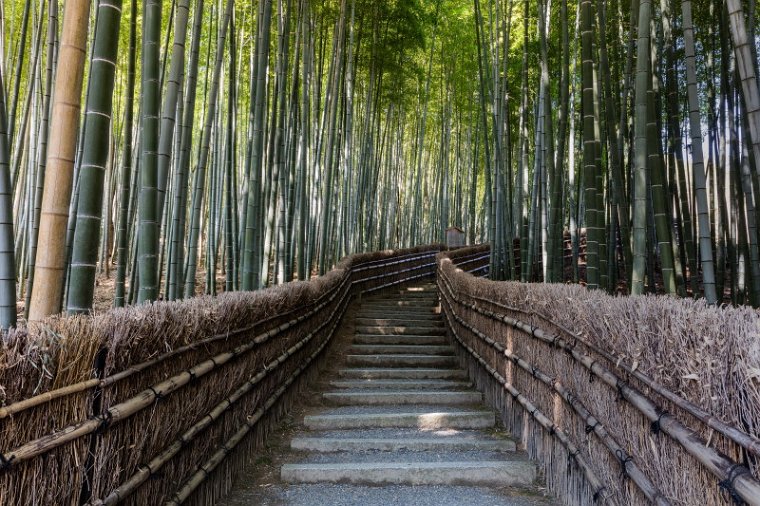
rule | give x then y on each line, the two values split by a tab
165	402
625	400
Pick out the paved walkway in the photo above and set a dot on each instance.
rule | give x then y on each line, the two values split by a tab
395	421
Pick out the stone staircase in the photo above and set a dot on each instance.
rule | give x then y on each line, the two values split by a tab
399	420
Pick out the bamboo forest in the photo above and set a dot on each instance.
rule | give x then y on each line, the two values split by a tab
171	148
379	252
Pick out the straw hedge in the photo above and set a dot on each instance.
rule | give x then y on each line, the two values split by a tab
165	402
624	400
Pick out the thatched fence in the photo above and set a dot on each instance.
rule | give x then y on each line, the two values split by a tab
164	403
623	400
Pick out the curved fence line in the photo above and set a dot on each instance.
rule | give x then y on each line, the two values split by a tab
574	405
178	393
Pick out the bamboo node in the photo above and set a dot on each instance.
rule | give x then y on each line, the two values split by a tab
727	485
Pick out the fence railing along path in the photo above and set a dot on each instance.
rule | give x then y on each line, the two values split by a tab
628	400
393	420
162	403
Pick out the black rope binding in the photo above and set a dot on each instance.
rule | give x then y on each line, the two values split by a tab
159	396
598	494
727	485
624	459
6	463
590	428
657	424
619	387
105	421
571	458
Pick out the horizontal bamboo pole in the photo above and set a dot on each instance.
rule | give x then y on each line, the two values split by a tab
459	264
144	473
628	466
738	436
546	423
728	472
203	472
377	264
398	282
46	397
394	273
143	400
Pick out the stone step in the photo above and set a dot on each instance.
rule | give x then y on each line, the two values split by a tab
399	304
483	473
442	444
387	398
420	420
402	384
401	360
402	373
414	330
405	349
398	322
419	294
397	315
399	339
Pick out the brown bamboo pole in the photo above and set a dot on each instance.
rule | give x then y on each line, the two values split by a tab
738	436
50	263
203	472
144	472
628	465
144	399
573	451
743	483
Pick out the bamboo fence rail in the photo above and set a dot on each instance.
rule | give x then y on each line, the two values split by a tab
633	440
165	402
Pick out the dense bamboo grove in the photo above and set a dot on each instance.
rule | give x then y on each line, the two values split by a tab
188	145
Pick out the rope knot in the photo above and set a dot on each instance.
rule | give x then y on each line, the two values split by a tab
657	424
105	421
6	463
624	460
727	485
159	396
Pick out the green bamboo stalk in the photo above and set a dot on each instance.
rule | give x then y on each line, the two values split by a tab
199	190
7	250
147	245
98	110
640	151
